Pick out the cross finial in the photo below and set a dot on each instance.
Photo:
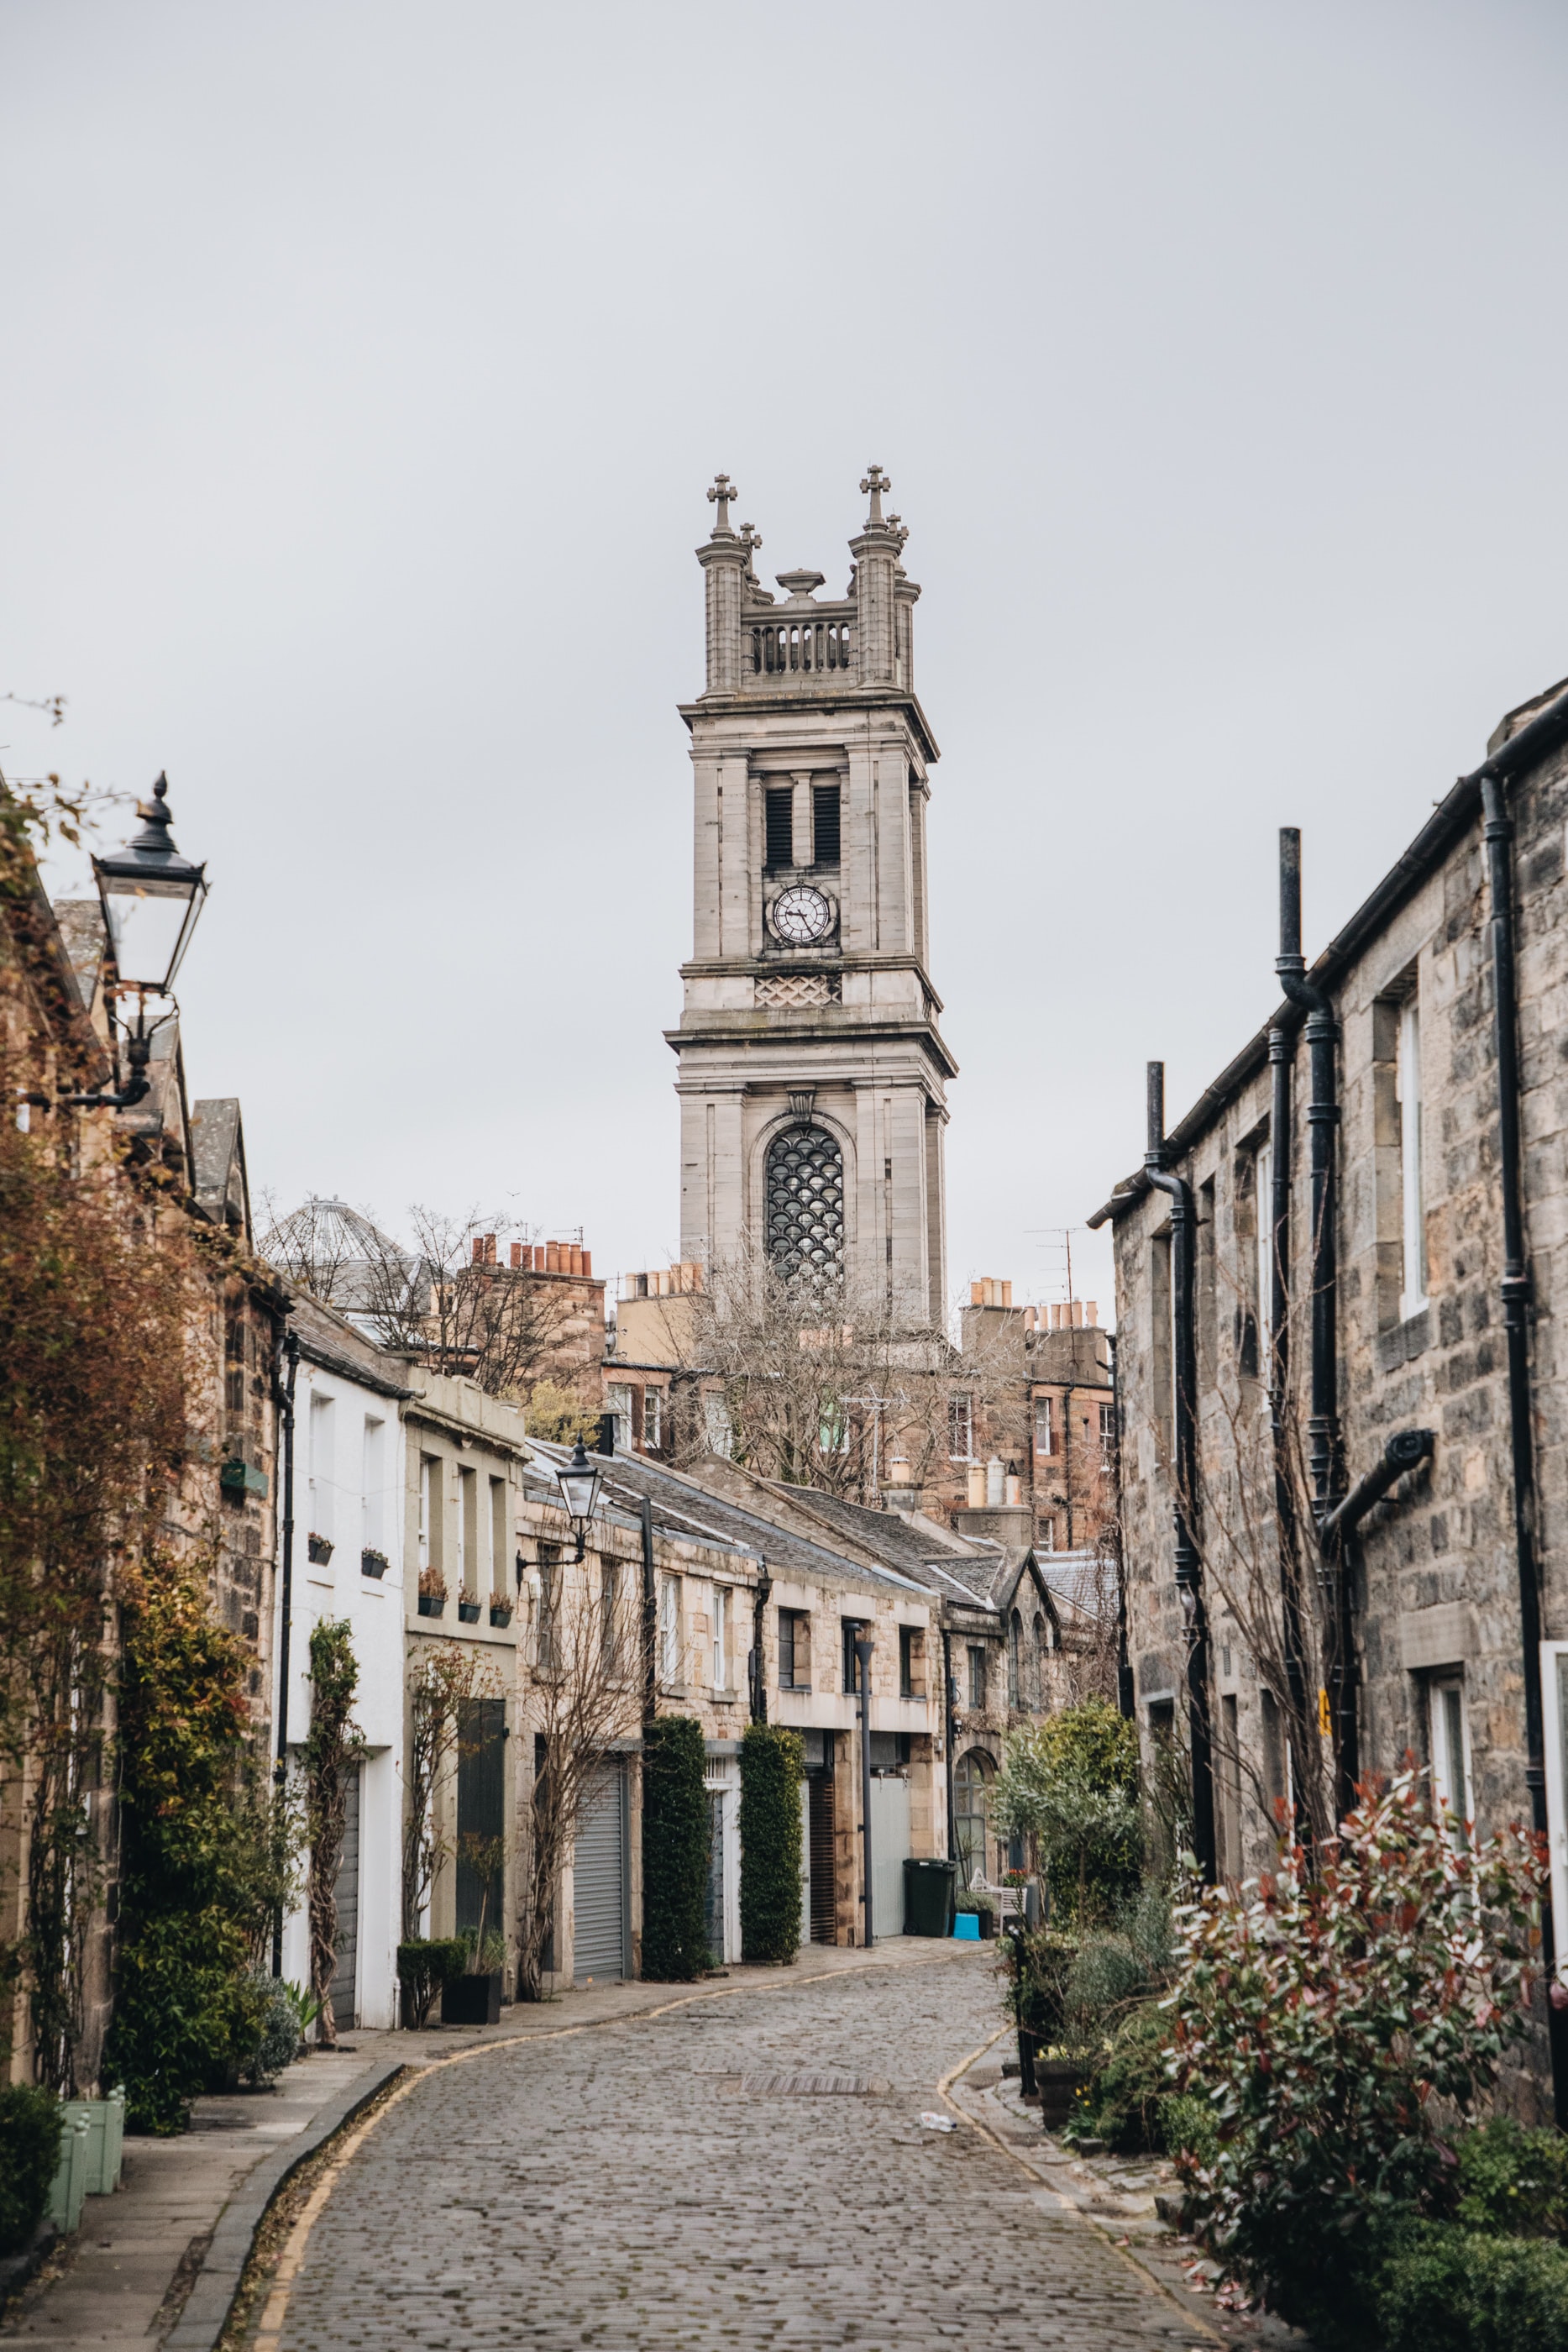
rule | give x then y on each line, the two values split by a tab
750	540
875	481
898	527
722	492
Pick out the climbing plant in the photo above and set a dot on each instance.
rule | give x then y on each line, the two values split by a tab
674	1849
333	1749
772	1761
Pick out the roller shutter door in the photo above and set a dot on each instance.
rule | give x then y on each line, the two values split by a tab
889	1848
598	1880
345	1891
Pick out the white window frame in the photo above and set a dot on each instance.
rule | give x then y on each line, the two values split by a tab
323	1444
721	1637
1455	1789
1555	1712
372	1479
618	1400
961	1410
653	1418
1264	1195
1045	1418
670	1630
1411	1187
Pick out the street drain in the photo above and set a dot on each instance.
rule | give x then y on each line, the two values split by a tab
823	2083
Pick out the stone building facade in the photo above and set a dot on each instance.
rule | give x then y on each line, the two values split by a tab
812	1071
1427	1461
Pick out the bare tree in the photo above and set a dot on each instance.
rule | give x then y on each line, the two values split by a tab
585	1697
444	1299
446	1677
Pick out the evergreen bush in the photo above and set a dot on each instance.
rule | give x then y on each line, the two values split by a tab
1512	2180
31	2121
424	1965
772	1763
674	1850
1444	2289
1071	1784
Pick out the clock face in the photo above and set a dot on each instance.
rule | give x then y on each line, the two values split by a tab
801	915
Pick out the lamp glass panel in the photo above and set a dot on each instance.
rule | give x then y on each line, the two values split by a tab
149	921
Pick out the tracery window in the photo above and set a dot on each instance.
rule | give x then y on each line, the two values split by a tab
806	1207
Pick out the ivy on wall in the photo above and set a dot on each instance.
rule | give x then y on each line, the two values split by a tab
772	1763
674	1850
333	1748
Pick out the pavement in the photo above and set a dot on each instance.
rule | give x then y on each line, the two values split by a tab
739	2163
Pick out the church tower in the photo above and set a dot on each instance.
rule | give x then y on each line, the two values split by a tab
812	1075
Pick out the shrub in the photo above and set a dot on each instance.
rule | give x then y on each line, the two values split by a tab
1438	2288
1071	1783
276	2029
674	1850
772	1761
424	1966
1512	2180
31	2121
1321	2014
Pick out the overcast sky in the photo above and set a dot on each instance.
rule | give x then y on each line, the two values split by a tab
366	365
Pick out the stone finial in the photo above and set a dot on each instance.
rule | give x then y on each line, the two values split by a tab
899	528
722	492
750	540
875	482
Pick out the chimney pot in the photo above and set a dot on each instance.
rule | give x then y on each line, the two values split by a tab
517	1254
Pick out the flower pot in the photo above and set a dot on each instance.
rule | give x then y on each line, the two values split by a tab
373	1563
1056	2079
468	1613
500	1613
472	1999
432	1604
987	1920
320	1549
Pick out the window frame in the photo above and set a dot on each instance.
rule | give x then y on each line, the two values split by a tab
1554	1712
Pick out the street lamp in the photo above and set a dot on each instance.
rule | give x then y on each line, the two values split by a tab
150	897
580	1482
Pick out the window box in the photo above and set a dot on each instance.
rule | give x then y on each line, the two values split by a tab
500	1613
432	1593
237	1477
468	1609
372	1562
320	1549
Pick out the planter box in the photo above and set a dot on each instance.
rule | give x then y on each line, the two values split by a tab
69	2184
468	1613
502	1616
431	1604
320	1549
1056	2079
472	2000
373	1563
105	2120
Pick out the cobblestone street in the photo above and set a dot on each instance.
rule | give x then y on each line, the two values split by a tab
662	2181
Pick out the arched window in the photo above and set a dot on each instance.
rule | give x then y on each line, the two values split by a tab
1015	1661
970	1788
806	1207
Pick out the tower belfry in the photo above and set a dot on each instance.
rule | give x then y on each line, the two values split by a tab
812	1074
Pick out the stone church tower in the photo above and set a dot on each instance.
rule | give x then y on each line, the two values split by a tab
812	1074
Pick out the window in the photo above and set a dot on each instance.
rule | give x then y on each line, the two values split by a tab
548	1650
911	1662
780	851
833	1436
1047	1533
960	1429
1230	1776
608	1613
850	1626
825	824
976	1678
1162	1352
1407	1080
321	1467
1044	1425
970	1788
653	1420
617	1401
794	1650
373	1456
1263	1193
1041	1651
806	1207
430	1548
1107	1432
1451	1756
716	1424
721	1637
468	1527
1015	1660
500	1536
670	1630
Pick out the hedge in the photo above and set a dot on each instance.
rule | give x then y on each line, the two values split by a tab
674	1850
772	1763
30	2124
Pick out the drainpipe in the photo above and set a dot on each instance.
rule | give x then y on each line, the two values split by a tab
1282	1141
1323	1427
1188	1566
863	1647
1124	1693
1406	1451
758	1671
950	1689
285	1397
650	1618
1498	833
1067	1453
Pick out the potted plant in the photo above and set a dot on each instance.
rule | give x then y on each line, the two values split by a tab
320	1549
467	1607
372	1562
423	1967
432	1592
500	1609
475	1997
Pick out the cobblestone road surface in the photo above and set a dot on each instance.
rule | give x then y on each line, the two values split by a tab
630	2188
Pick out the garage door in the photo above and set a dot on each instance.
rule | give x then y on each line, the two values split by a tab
889	1846
598	1880
346	1893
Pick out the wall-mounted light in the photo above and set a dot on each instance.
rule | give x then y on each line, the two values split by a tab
150	897
580	1482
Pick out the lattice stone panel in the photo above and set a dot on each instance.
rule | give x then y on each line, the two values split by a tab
806	1205
799	988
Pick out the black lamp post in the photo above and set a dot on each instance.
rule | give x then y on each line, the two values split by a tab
580	1482
150	897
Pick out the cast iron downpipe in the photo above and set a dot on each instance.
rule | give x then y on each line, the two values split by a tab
280	1769
1406	1451
758	1669
1281	1143
863	1648
1324	1457
951	1688
1498	833
1188	1566
650	1617
1125	1697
